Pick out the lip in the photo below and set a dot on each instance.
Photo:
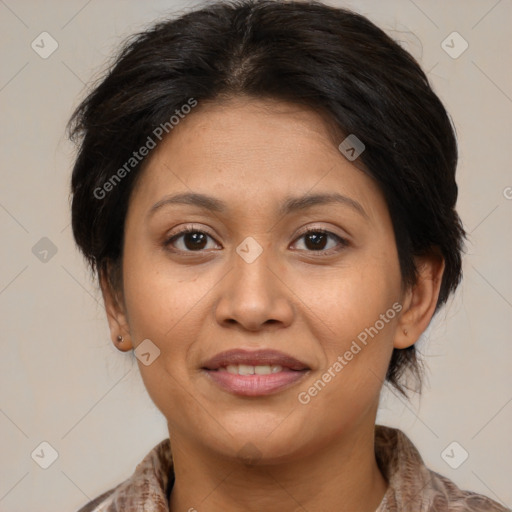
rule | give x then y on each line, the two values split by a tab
254	358
255	385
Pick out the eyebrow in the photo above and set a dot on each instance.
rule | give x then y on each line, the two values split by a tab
290	204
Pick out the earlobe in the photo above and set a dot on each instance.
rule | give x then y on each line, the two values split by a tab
116	315
420	301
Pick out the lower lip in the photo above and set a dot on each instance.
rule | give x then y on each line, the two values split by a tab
255	385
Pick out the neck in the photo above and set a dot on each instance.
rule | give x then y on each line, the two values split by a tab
342	477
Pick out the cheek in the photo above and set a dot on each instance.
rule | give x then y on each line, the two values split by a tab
356	359
160	297
357	308
352	296
166	304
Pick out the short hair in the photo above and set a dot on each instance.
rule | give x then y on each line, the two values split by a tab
328	59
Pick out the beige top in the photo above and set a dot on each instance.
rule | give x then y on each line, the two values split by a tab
412	486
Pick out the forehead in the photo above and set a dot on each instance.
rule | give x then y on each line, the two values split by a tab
256	150
241	127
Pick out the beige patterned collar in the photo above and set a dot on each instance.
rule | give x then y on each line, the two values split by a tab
412	486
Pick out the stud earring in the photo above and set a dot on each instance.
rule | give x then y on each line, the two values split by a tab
120	339
405	332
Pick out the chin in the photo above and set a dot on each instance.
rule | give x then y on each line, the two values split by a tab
255	444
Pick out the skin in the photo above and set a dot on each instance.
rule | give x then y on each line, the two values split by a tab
252	154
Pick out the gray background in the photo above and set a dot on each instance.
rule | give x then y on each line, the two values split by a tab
61	380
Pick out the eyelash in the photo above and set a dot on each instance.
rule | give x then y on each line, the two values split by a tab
342	242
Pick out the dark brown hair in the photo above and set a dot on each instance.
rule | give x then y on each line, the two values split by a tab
329	59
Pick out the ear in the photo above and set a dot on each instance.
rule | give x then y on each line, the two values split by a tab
419	302
116	312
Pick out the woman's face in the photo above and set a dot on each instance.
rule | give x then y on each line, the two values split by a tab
250	279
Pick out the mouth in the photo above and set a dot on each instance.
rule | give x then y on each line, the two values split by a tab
254	373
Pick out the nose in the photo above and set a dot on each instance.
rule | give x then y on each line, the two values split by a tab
253	296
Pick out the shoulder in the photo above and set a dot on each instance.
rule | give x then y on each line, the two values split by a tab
144	489
446	495
413	486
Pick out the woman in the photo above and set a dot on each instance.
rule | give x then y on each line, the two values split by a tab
267	193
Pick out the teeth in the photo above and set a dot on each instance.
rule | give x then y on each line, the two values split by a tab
247	369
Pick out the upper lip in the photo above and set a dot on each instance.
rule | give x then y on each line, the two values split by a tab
254	358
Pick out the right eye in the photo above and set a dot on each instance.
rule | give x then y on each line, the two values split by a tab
191	239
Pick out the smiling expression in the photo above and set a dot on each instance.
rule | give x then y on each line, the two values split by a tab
267	174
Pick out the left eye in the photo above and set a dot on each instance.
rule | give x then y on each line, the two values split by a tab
317	239
194	240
